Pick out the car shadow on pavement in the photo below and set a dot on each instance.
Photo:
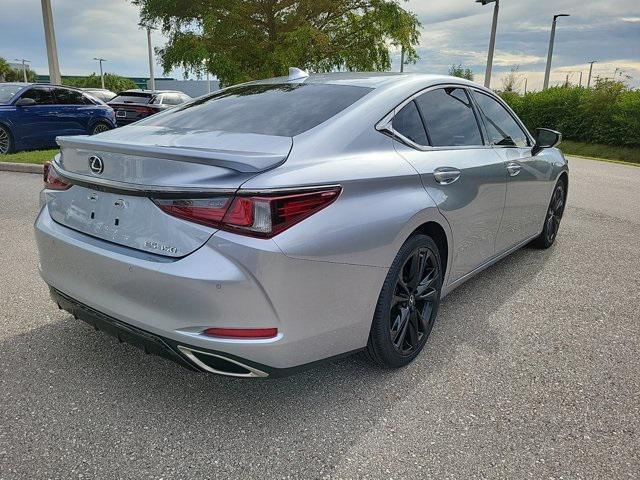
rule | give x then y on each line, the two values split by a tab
79	382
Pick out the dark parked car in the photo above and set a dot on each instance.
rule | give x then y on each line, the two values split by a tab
32	115
100	93
134	105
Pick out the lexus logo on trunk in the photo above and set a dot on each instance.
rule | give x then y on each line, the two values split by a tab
96	165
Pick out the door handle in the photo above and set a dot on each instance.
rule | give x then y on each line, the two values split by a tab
513	168
446	175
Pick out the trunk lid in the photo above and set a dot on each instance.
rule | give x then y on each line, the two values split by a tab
112	200
130	112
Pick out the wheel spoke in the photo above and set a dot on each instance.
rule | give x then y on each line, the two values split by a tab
422	320
399	298
428	295
414	271
412	330
427	281
401	330
403	285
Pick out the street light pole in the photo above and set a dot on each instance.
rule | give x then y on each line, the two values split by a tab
152	79
100	60
547	71
492	40
24	67
590	70
50	38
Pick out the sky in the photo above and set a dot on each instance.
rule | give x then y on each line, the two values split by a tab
453	32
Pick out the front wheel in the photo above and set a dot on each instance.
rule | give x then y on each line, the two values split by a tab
99	128
553	217
408	304
6	145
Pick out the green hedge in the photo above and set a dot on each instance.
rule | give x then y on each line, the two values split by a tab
607	114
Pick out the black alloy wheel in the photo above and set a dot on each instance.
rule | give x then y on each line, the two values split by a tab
552	218
413	300
408	304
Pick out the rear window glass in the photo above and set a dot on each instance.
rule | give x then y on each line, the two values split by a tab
140	99
281	109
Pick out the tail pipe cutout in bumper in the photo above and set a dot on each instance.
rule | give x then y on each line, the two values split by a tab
196	359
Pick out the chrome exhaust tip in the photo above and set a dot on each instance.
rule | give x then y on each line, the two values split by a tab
215	363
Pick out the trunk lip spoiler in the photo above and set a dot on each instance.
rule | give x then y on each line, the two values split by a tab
238	161
164	191
133	188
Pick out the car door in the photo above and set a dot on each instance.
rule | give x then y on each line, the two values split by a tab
36	124
527	175
442	138
74	112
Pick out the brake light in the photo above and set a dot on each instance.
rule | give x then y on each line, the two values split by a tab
149	110
250	333
261	216
52	180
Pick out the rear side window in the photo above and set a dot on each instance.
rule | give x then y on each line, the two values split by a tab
41	95
269	109
171	99
502	129
69	97
408	123
140	99
449	117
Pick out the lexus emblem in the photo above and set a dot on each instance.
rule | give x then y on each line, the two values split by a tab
96	165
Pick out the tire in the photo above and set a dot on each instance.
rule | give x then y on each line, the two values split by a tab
405	305
552	219
6	140
99	128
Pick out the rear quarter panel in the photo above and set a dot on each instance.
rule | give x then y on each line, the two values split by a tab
381	204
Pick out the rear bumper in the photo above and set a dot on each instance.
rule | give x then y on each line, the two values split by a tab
191	358
321	309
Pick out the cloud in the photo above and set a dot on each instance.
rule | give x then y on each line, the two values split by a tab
454	31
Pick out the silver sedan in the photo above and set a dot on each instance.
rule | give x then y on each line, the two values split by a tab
274	224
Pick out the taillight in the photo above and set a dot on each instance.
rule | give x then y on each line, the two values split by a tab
52	180
247	333
148	110
261	216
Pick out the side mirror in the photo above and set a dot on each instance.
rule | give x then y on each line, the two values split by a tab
25	102
545	138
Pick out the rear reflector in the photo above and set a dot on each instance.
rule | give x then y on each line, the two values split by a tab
254	333
52	180
261	216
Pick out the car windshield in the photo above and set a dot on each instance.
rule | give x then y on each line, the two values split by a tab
132	97
7	92
268	109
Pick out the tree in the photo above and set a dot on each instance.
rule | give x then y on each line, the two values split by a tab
244	40
4	68
112	82
511	82
9	74
461	72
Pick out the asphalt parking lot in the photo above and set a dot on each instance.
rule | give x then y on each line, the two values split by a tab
532	371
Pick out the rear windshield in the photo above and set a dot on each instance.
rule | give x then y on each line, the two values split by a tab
281	109
130	97
8	91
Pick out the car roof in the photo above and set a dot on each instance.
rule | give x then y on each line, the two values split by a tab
367	79
95	89
150	92
28	84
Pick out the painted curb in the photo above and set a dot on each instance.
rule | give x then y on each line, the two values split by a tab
20	167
